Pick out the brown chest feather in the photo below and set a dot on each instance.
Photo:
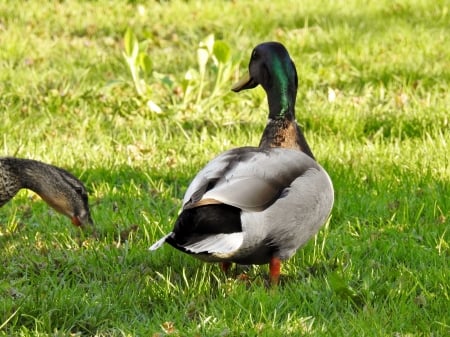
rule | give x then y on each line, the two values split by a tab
285	134
281	134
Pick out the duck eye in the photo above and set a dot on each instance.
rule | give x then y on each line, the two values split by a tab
254	55
81	191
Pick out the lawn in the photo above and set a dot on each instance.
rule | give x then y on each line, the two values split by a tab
373	100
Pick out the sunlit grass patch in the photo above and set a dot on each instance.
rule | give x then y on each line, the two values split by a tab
373	102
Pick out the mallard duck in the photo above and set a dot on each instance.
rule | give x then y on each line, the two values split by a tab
57	187
257	205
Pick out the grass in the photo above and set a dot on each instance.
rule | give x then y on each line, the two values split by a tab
373	101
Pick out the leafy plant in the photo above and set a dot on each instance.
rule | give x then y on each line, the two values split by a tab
140	65
210	51
214	52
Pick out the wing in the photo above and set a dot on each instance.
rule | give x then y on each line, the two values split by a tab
248	178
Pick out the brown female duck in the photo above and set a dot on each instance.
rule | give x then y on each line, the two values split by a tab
57	187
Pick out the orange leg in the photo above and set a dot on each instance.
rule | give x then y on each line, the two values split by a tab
274	270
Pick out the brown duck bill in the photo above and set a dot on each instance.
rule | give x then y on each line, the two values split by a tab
246	82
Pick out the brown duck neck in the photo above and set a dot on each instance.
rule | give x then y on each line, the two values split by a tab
10	182
16	174
284	133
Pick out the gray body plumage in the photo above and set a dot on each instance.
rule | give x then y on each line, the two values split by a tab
284	197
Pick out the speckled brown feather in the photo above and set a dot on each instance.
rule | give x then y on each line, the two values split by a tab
286	134
57	187
9	182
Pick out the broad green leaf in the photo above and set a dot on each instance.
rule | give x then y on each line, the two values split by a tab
131	44
222	51
145	63
128	41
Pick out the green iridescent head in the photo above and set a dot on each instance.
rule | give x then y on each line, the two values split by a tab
271	67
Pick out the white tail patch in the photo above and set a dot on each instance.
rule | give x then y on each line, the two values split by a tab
160	242
217	244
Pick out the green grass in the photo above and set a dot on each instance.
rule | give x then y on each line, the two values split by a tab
373	100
